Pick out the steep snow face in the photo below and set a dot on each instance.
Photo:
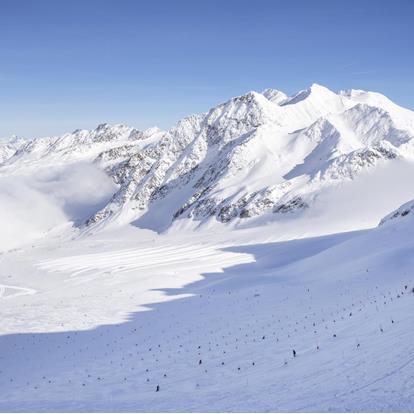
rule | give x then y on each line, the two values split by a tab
402	117
308	105
260	154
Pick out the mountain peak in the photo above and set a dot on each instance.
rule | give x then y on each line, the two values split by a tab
248	97
274	95
102	126
320	90
315	90
317	86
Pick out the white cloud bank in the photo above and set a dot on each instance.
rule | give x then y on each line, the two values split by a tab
32	205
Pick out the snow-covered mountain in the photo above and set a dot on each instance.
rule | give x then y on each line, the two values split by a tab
300	314
260	154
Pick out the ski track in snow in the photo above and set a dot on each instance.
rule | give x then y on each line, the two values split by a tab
130	259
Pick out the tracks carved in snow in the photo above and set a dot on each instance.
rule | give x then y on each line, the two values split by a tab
122	261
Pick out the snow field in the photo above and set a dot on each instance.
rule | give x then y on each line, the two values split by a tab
225	342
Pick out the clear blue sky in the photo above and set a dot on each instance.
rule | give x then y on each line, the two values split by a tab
67	64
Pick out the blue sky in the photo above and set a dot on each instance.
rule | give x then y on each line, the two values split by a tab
74	64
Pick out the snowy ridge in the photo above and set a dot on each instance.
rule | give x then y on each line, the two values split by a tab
256	154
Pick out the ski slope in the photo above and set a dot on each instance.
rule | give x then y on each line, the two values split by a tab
212	320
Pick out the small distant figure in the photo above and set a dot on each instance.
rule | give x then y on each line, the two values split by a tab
157	389
294	354
200	362
358	345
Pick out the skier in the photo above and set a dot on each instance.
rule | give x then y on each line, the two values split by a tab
294	354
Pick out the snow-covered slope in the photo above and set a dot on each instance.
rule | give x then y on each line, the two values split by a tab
257	155
133	321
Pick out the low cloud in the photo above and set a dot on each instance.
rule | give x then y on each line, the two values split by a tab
32	205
